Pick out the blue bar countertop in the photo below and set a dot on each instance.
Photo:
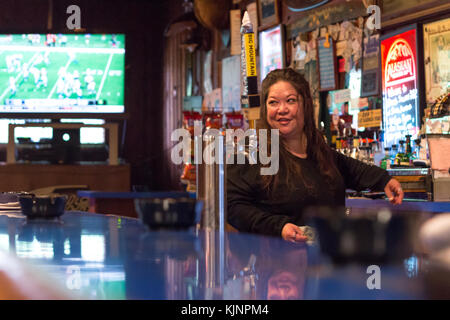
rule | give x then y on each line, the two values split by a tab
426	206
134	195
93	256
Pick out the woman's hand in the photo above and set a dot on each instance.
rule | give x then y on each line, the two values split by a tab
292	233
394	192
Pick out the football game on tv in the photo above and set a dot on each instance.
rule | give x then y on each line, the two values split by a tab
62	73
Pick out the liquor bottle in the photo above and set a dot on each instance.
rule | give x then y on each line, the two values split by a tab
365	154
377	152
344	144
394	151
402	157
339	144
416	152
334	135
408	151
350	141
386	161
424	150
322	130
381	139
400	154
355	148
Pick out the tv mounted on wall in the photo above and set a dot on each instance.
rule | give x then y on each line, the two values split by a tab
62	76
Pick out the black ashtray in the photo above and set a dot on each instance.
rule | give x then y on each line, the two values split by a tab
168	213
42	206
365	235
8	197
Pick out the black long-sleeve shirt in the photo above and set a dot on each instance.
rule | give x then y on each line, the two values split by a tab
250	209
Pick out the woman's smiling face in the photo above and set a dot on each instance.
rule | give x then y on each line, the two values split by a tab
285	109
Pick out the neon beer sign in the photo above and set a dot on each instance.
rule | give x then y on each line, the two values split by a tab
400	89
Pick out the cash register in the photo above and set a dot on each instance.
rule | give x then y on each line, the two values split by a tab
416	182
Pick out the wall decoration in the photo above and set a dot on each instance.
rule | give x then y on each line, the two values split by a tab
337	101
370	66
298	56
235	31
268	12
400	83
437	58
231	87
271	50
213	100
326	66
331	13
207	68
369	118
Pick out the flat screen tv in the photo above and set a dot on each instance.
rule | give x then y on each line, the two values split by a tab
62	75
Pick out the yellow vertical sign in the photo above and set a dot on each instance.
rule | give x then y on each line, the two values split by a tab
250	54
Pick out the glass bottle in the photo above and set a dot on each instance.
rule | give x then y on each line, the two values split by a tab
344	145
334	135
355	149
400	154
416	153
408	151
386	161
394	151
378	153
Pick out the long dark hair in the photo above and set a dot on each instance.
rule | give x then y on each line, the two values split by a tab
317	149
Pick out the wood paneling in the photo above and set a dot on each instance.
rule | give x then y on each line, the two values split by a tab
27	177
24	16
174	89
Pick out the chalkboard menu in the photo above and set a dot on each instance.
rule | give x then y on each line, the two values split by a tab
327	64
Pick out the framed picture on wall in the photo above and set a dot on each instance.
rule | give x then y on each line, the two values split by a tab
268	13
271	50
370	78
437	58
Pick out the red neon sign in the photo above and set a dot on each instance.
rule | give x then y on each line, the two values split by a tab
399	83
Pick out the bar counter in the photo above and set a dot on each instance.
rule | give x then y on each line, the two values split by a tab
426	206
98	256
122	203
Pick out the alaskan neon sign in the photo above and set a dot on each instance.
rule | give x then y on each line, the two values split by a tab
400	89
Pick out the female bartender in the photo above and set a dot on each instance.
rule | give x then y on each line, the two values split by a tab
310	173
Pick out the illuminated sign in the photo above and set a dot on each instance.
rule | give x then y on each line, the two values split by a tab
369	119
271	55
400	86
